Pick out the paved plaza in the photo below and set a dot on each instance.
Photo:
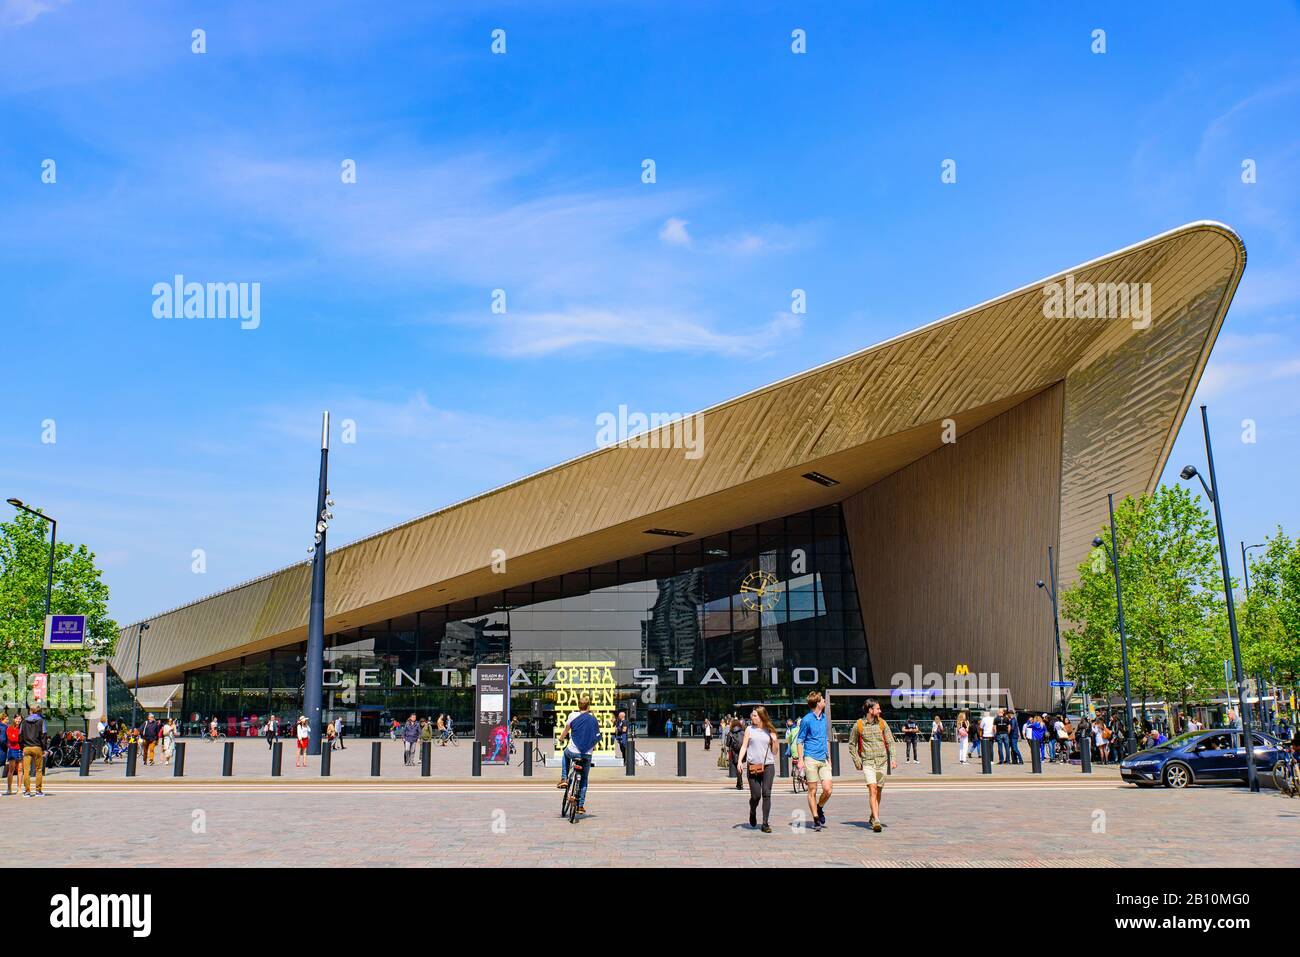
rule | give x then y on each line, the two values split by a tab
1010	819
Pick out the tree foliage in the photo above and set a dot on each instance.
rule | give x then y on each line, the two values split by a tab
78	590
1174	609
1270	619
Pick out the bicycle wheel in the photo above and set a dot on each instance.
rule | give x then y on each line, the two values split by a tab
565	795
1282	779
573	798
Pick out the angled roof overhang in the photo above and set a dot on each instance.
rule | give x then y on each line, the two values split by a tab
1127	387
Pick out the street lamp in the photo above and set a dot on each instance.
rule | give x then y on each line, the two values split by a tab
139	640
1056	625
1259	678
49	581
1131	739
1212	490
313	690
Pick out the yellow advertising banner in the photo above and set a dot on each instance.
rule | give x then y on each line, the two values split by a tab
594	679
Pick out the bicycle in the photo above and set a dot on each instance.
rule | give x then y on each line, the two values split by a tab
1284	775
798	779
569	802
450	738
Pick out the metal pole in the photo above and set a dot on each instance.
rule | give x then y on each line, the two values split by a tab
1248	740
49	582
1056	625
135	696
1131	740
312	681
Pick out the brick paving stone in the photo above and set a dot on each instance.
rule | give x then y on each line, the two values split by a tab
952	822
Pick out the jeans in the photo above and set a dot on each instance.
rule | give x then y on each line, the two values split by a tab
1003	747
760	789
909	747
582	780
1051	749
1013	745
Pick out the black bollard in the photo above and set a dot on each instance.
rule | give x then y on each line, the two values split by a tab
986	757
228	760
1036	753
528	759
132	750
629	757
936	759
178	766
1085	756
733	769
326	754
376	749
277	758
476	760
785	761
681	759
84	770
426	755
835	759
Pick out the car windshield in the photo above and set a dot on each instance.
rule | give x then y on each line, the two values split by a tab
1178	741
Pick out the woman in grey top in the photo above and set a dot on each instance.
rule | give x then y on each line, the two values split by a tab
758	760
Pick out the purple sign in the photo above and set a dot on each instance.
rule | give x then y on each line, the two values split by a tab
65	631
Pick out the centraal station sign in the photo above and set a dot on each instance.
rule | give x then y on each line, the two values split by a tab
642	677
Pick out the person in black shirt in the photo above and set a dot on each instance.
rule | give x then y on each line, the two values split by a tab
910	732
1002	731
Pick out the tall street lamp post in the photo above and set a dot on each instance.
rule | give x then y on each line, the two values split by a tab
1212	490
1056	625
1245	574
139	640
1131	738
49	581
313	691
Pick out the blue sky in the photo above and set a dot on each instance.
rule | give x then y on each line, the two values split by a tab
522	172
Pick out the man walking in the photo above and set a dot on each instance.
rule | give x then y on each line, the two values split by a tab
33	739
1013	737
149	735
813	741
338	732
911	731
871	745
620	734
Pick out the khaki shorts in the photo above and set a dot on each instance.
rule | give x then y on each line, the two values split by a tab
815	770
874	775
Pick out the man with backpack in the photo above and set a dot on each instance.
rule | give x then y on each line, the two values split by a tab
732	742
871	745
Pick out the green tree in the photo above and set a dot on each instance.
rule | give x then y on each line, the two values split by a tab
78	590
1270	618
1174	611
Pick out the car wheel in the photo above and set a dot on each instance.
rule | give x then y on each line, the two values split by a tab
1177	775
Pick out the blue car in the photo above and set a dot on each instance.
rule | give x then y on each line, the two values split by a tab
1199	757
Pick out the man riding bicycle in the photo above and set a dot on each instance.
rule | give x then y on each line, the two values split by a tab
583	731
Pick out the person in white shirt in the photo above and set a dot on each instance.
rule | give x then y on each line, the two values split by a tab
987	731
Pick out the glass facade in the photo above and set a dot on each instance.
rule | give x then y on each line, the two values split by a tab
766	613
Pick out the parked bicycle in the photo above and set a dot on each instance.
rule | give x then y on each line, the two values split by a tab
1285	775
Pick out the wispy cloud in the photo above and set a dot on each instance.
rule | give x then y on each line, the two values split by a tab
16	13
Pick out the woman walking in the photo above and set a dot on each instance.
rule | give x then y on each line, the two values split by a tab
167	734
13	753
303	733
963	738
708	733
757	749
